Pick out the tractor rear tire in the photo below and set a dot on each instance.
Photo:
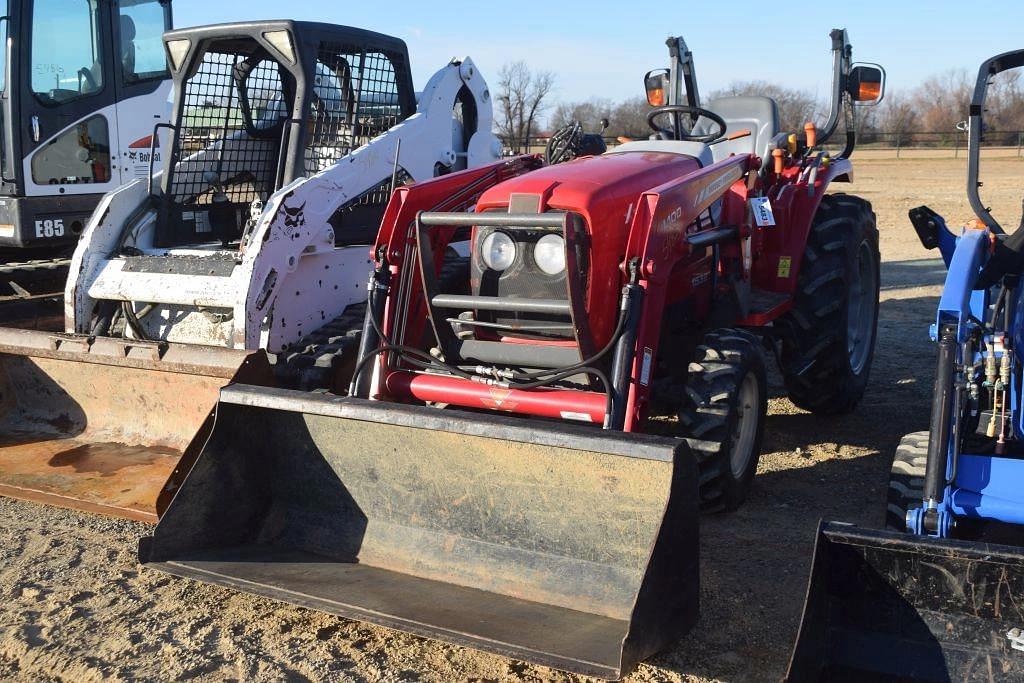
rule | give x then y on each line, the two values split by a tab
906	480
832	327
722	415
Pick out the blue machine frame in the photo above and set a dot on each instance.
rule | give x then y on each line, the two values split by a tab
979	486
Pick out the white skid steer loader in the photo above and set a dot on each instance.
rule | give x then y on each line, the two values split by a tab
285	143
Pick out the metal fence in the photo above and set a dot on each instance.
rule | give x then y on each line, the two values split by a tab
951	144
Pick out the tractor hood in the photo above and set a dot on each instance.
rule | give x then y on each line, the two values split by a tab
600	188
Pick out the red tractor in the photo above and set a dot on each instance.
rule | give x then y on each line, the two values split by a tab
485	481
644	281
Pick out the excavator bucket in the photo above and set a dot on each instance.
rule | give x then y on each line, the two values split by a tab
889	606
569	547
101	424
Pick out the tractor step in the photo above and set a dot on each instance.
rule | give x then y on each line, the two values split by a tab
766	306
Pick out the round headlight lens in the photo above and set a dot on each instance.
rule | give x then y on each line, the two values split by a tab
549	253
498	251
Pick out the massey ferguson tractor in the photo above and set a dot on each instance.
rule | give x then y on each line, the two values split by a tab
285	142
500	475
939	594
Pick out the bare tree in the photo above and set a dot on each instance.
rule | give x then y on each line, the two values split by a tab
521	101
629	118
796	106
943	100
589	113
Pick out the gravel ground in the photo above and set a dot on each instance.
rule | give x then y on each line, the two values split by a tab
74	605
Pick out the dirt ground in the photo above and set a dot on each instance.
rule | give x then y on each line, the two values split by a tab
74	605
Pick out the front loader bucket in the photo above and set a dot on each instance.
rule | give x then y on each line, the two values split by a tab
565	546
888	606
100	424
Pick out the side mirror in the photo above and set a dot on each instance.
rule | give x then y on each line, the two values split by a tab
656	87
866	83
604	125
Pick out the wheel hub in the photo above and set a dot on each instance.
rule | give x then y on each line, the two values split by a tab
860	308
744	433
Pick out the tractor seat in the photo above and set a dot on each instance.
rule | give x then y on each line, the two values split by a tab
758	114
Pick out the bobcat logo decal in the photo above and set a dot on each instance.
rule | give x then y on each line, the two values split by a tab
294	218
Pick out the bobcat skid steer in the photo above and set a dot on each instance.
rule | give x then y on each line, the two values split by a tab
286	140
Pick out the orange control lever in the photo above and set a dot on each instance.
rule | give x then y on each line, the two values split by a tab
778	157
812	134
739	134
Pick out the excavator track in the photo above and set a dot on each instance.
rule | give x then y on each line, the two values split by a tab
32	293
33	279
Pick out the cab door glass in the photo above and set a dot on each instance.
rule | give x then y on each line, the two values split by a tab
3	85
141	54
67	63
79	155
3	45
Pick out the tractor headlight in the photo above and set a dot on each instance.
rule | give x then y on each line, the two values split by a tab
498	251
549	254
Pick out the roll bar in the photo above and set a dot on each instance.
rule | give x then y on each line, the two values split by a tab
989	68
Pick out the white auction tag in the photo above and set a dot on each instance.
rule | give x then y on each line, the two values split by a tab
762	209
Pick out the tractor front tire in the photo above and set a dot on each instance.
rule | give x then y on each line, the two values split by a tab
906	480
722	415
832	327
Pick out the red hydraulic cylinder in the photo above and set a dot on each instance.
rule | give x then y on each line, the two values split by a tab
564	404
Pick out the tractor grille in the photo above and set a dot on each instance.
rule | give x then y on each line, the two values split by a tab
212	138
355	99
524	280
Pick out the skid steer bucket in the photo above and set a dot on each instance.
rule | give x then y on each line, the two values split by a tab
101	424
569	547
889	606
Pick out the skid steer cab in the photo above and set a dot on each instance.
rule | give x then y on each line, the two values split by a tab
497	476
286	140
936	596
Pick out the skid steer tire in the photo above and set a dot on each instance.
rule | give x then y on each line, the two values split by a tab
723	409
832	327
906	480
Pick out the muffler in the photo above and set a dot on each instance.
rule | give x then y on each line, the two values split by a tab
565	546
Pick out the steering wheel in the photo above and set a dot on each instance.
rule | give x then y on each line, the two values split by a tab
677	110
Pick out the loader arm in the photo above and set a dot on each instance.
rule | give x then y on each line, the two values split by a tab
416	146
